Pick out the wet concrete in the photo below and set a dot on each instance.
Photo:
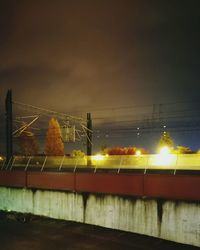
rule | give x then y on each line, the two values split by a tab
27	232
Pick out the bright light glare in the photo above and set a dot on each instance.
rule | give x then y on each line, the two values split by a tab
164	151
1	158
138	152
164	158
98	157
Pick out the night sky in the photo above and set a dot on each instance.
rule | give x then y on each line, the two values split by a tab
78	56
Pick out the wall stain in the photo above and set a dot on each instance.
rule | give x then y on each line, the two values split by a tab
160	209
85	199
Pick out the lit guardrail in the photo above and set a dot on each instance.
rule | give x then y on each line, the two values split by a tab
156	161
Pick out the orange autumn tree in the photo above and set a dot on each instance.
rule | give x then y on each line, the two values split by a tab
54	145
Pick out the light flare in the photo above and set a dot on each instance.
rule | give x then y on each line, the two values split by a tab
138	153
98	157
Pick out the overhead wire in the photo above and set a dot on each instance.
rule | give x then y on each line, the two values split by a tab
165	104
177	120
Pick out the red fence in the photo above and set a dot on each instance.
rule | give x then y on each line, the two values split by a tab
51	180
125	184
184	187
13	179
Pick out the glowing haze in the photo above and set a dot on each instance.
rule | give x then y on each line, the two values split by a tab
81	55
72	54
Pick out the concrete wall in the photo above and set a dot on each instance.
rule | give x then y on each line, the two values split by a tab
176	221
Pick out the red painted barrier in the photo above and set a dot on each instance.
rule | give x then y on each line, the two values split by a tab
125	184
13	179
185	187
51	180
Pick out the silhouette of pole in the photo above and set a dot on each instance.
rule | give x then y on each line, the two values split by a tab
9	126
89	134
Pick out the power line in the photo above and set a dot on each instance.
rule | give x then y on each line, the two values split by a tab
47	112
137	106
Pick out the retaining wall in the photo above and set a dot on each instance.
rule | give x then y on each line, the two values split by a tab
171	220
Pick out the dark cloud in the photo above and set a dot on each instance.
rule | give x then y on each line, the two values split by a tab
100	53
80	55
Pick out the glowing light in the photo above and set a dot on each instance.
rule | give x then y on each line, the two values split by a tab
164	158
138	153
164	151
98	157
1	158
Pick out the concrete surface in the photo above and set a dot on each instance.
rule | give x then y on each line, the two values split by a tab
171	220
25	232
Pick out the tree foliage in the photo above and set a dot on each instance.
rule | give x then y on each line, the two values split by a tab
166	141
104	149
28	143
54	145
182	150
77	153
124	151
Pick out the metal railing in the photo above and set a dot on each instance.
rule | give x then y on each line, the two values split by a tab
156	161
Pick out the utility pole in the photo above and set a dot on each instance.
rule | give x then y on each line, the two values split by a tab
89	134
9	126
